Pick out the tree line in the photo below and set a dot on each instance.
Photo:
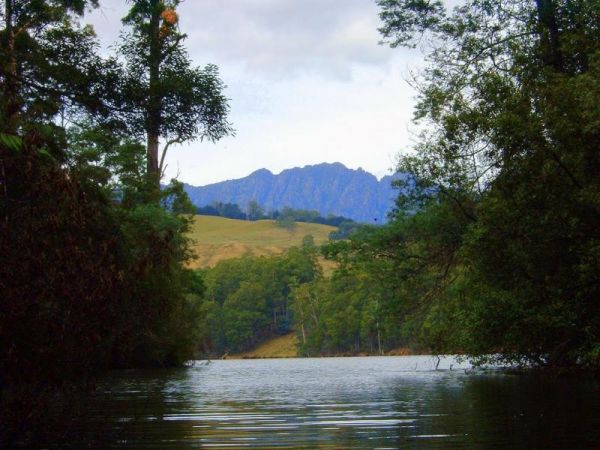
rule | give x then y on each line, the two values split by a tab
249	299
286	218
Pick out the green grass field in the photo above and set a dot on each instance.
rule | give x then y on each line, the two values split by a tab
218	238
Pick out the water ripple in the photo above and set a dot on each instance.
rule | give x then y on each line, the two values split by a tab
339	403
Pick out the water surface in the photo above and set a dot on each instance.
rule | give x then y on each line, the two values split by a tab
387	402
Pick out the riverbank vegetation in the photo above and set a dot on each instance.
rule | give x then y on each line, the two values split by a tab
495	248
93	272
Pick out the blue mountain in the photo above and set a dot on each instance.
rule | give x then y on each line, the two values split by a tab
326	188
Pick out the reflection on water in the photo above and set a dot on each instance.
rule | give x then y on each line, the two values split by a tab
388	402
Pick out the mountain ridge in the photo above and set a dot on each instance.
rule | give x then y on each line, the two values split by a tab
329	188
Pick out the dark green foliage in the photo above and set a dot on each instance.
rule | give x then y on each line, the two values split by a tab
208	210
246	318
57	241
176	200
411	263
87	285
297	215
248	299
288	216
343	314
285	221
49	67
404	22
231	211
228	210
492	249
499	231
160	324
93	273
285	218
81	273
345	229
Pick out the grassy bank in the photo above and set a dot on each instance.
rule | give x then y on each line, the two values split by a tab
287	347
278	347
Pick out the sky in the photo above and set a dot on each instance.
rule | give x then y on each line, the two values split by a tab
307	82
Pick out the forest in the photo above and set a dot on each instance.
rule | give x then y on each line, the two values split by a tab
492	250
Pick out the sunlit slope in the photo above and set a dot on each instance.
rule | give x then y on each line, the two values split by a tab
278	347
217	238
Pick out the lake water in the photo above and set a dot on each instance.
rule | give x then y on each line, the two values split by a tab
375	402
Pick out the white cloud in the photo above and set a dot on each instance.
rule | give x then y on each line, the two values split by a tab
285	38
307	80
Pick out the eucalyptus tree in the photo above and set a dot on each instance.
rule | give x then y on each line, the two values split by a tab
165	97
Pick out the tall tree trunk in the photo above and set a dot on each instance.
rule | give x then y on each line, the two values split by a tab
547	16
154	97
12	106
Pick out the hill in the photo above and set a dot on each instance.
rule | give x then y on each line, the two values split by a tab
218	238
326	188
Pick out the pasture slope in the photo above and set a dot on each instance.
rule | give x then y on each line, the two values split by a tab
217	238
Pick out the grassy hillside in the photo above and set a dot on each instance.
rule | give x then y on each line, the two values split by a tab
278	347
218	238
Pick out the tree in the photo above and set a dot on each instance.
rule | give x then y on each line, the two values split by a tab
286	219
165	97
511	151
307	314
502	54
93	276
255	211
246	316
38	82
231	211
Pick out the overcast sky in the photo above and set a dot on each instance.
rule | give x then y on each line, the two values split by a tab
307	82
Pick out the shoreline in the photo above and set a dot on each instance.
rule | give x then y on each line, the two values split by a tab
401	351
